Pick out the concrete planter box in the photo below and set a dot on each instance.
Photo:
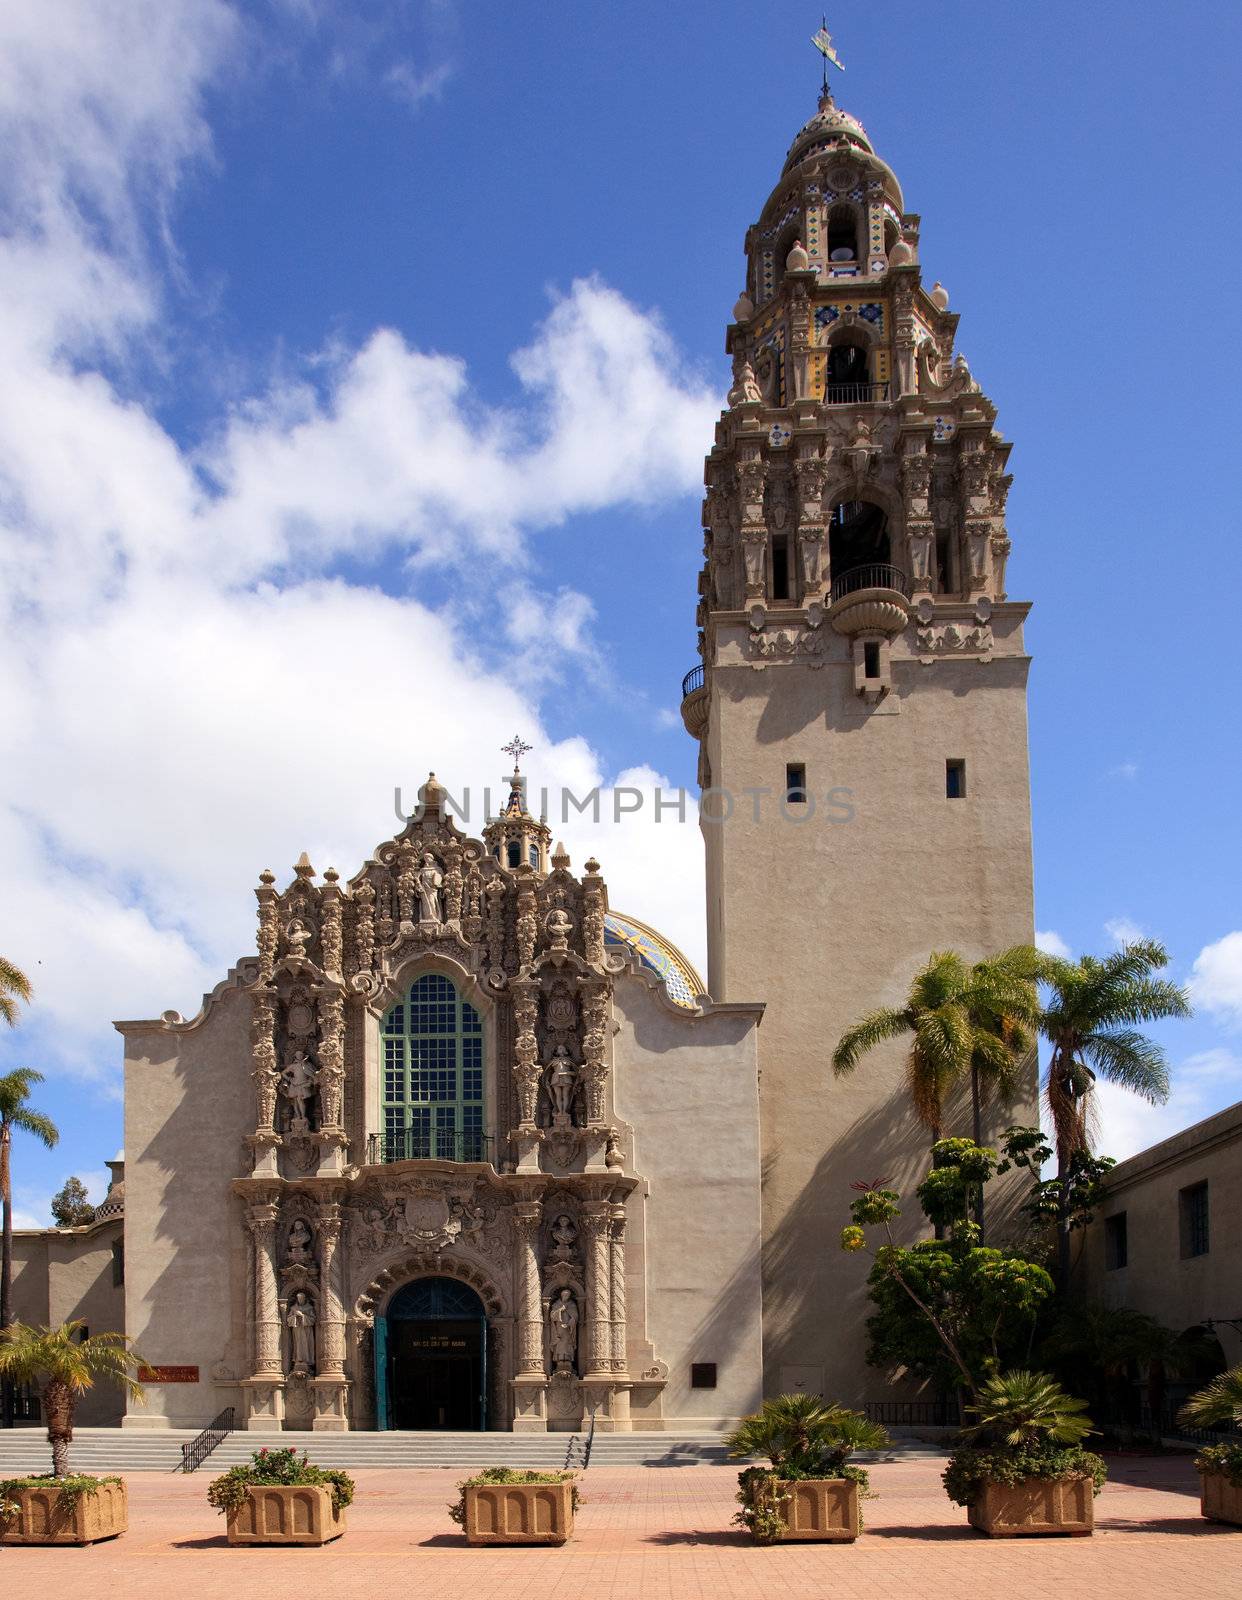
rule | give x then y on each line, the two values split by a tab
286	1514
519	1513
823	1510
1034	1506
44	1518
1219	1499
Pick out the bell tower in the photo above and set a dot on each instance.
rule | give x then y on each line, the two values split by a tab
860	706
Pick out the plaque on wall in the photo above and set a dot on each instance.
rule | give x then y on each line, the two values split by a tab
167	1374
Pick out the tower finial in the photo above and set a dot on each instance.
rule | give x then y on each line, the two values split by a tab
823	43
517	748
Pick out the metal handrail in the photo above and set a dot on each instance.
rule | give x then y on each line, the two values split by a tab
411	1145
590	1444
196	1452
855	394
693	680
876	575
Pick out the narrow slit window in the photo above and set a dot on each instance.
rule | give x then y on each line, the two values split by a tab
871	658
1116	1251
780	568
795	785
1194	1207
955	780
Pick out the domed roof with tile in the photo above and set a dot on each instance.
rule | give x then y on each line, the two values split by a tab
113	1203
657	955
829	125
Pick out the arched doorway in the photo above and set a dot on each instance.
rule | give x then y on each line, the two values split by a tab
431	1358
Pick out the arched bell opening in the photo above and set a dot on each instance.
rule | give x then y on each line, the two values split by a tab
848	376
431	1359
858	537
843	229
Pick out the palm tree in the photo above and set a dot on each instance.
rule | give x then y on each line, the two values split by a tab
1024	1409
1100	1342
65	1364
800	1432
967	1023
1219	1405
15	1113
14	986
1089	1020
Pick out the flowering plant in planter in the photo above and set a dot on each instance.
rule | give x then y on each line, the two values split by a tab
1028	1427
803	1439
281	1468
515	1475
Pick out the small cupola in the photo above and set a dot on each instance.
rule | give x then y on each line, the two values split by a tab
515	838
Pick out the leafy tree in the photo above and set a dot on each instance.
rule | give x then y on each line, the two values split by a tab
14	986
1089	1018
65	1364
1096	1344
948	1309
70	1207
965	1023
15	1114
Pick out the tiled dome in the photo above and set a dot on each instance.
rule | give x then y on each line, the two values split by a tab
665	960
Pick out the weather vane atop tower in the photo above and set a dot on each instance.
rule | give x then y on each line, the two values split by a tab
517	748
823	43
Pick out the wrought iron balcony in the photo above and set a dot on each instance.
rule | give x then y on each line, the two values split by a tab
855	394
875	575
695	702
434	1146
693	680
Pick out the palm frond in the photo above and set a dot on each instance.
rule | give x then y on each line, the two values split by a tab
1131	1060
14	987
1219	1404
864	1036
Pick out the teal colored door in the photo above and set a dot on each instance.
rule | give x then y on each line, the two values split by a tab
431	1358
382	1409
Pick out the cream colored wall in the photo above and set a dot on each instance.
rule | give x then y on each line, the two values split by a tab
825	922
1179	1292
188	1107
61	1275
690	1088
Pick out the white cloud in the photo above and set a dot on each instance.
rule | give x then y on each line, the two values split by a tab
191	692
1129	770
1053	944
1121	930
1216	978
412	86
1199	1085
32	1207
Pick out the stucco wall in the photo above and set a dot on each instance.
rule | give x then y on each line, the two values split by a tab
827	921
188	1106
690	1088
1178	1290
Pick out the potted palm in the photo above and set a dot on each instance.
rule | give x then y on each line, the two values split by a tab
1219	1405
64	1507
1021	1468
505	1505
809	1490
280	1498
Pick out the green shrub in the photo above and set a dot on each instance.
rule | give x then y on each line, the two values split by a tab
1028	1427
457	1508
72	1488
1223	1458
969	1469
282	1467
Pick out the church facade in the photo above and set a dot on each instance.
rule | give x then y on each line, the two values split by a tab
461	1146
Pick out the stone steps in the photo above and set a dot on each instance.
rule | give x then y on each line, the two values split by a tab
121	1450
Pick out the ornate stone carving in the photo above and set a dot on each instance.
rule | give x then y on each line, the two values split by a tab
563	1331
526	1070
263	1059
268	926
428	883
977	640
594	1053
330	935
297	1084
364	926
300	1319
530	1321
261	1219
775	643
561	1077
331	1058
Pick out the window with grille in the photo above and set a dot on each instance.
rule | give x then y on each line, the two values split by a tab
433	1075
1194	1220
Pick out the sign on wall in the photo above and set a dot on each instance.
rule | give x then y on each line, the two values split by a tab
167	1374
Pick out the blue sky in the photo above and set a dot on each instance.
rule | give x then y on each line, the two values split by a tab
361	360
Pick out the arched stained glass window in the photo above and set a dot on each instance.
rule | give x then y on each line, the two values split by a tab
433	1075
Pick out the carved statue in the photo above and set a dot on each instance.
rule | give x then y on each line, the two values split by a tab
558	926
562	1081
300	1320
429	883
297	936
745	390
297	1084
563	1331
298	1252
564	1237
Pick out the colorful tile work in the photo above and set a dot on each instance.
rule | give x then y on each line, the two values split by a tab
943	429
873	311
779	435
824	315
680	980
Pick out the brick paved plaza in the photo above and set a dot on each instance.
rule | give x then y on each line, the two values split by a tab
657	1534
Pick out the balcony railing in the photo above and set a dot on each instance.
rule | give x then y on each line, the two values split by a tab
435	1146
877	575
693	680
855	394
913	1413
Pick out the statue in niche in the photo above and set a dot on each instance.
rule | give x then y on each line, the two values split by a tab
297	936
745	390
429	883
562	1084
558	926
297	1084
563	1331
300	1320
298	1249
564	1237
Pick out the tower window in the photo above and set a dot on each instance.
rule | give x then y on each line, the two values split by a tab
857	537
848	375
515	854
871	658
780	568
533	855
1115	1252
795	784
842	234
1193	1204
955	780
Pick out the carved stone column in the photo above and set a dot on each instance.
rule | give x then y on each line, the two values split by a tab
616	1241
526	1055
331	1136
594	1051
330	1387
265	1389
265	1141
598	1291
530	1383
